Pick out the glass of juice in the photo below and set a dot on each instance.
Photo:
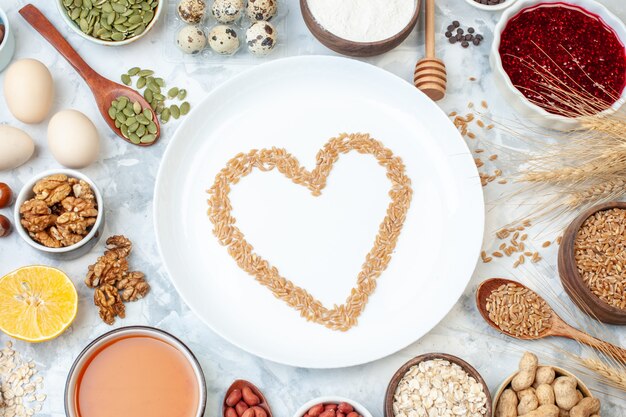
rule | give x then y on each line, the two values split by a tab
135	371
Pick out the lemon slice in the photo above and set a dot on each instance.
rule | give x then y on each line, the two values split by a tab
37	303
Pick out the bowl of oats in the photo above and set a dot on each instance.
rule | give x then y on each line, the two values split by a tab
60	213
437	384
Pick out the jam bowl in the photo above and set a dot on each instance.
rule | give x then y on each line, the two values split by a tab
600	21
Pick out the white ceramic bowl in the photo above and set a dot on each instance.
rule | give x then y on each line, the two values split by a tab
68	252
7	47
494	8
157	14
514	97
84	357
359	408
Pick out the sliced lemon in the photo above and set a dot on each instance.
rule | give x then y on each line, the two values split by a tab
37	303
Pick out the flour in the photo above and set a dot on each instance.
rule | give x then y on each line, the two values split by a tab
363	20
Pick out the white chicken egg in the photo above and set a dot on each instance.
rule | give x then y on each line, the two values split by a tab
16	147
28	90
73	139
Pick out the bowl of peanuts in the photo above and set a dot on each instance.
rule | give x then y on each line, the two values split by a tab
332	406
543	391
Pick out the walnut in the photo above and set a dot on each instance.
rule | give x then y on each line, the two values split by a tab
133	286
108	269
64	235
75	223
82	190
120	245
82	207
46	239
108	300
36	216
52	189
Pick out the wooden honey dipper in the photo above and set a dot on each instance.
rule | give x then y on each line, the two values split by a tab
430	72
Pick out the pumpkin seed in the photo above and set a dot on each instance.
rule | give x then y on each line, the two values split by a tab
134	138
137	107
145	73
147	94
124	131
147	113
141	130
175	111
173	92
141	82
116	36
126	79
112	112
133	128
128	112
149	138
182	94
165	115
142	119
120	117
152	127
134	71
117	124
184	108
160	82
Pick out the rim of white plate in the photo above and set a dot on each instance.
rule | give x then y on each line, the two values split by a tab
236	81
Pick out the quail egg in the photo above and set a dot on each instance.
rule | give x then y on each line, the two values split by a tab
227	11
261	38
191	39
191	11
261	9
223	40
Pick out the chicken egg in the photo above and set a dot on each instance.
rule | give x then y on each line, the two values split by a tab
16	147
28	90
73	139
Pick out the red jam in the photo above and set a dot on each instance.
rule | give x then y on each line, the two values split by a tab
556	47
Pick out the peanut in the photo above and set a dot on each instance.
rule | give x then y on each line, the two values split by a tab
249	413
527	401
328	413
241	408
544	375
545	394
543	411
259	412
249	397
230	412
353	414
565	392
330	407
316	410
585	408
331	410
563	413
233	398
345	408
526	375
507	404
340	414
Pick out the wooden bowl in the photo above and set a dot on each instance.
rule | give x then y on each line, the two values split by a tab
558	372
395	380
351	48
573	283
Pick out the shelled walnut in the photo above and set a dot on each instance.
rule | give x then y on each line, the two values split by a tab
62	212
112	280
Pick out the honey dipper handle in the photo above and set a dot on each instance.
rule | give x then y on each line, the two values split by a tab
42	25
429	33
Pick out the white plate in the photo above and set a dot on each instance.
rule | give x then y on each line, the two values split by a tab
319	243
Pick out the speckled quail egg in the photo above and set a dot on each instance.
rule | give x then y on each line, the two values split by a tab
227	11
223	40
191	39
261	9
191	11
261	38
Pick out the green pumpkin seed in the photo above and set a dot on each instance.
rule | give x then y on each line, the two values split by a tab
116	36
184	108
126	79
148	16
124	131
130	121
145	73
141	130
112	112
120	117
175	111
160	82
67	3
134	138
133	128
107	8
142	119
147	94
152	128
141	82
149	138
154	87
159	96
173	92
134	71
78	3
117	124
119	8
147	113
136	107
182	94
128	112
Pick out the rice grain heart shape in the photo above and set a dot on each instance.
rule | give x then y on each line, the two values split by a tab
344	316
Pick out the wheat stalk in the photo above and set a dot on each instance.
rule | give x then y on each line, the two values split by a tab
614	377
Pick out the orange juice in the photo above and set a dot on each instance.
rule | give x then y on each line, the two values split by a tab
138	376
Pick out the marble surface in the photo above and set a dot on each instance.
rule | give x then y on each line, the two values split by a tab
126	176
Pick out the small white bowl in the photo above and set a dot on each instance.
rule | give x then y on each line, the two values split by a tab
359	408
515	97
157	14
493	8
69	252
7	47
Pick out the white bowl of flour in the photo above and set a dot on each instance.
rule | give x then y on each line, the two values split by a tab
360	28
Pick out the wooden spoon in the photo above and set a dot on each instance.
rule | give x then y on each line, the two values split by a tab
104	90
239	384
430	73
556	327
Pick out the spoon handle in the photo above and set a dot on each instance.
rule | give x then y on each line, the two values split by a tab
42	25
606	348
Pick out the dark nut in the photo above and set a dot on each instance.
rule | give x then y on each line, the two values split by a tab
250	397
259	412
233	398
241	407
316	410
5	195
329	413
249	413
5	226
345	408
230	412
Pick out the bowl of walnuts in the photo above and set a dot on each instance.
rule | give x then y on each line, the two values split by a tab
60	213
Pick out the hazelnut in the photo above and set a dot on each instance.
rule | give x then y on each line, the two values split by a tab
5	226
5	195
